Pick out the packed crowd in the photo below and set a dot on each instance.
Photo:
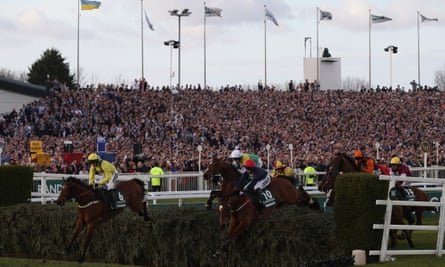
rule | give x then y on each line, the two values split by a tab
300	127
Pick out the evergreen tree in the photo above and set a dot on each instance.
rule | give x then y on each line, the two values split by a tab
51	66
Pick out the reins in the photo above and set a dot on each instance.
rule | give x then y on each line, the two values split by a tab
239	208
88	204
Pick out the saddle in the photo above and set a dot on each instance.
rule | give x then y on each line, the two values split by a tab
266	198
401	193
109	196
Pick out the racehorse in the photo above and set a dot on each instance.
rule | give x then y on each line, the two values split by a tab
397	218
342	163
229	178
244	213
91	211
305	200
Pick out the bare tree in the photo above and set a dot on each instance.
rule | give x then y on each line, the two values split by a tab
439	78
353	84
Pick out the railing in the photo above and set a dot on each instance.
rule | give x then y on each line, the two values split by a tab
384	253
183	185
47	186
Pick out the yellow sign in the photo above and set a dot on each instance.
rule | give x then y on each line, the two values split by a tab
36	146
43	159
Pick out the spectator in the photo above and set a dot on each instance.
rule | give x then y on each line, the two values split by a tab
156	180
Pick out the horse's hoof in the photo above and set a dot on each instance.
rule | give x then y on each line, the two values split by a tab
219	253
81	259
147	218
208	207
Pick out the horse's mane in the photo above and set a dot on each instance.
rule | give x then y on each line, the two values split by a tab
350	160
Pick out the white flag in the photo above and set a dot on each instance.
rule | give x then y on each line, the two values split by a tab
427	19
148	22
271	17
379	19
212	12
325	15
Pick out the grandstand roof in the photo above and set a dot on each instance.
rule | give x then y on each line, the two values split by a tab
10	100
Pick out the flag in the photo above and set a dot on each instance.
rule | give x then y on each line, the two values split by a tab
148	21
212	12
325	15
427	19
379	19
88	4
270	16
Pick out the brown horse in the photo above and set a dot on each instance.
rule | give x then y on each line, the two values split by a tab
229	178
91	212
342	163
305	200
397	218
244	213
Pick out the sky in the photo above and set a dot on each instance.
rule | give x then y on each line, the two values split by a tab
110	42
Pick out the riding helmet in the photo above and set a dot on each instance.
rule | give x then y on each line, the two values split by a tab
395	161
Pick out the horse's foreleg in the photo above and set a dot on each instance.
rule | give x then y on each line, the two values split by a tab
213	195
144	212
75	234
91	227
222	249
408	238
419	213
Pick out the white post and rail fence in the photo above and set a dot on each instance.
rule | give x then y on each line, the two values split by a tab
429	184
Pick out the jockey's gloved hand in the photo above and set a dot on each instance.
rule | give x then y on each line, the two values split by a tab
236	191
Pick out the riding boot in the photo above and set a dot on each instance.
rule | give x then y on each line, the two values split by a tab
113	199
258	203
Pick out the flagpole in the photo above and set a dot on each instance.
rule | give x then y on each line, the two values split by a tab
205	49
142	39
418	50
265	49
318	48
369	51
78	35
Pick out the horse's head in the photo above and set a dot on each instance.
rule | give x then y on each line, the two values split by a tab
212	169
341	163
229	174
329	180
334	168
71	189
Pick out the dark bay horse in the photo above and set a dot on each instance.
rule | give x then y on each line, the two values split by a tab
229	178
342	163
397	218
244	213
91	212
306	200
